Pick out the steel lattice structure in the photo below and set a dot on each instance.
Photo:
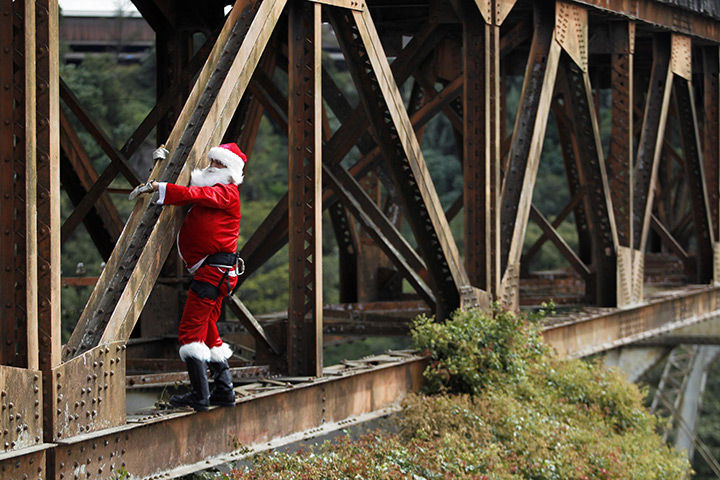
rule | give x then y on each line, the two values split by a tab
643	202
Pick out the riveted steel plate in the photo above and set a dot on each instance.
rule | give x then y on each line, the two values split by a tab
20	408
24	464
94	456
571	31
502	10
681	56
89	391
625	278
638	260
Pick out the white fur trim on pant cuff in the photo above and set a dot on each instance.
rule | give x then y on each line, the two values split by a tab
218	354
195	350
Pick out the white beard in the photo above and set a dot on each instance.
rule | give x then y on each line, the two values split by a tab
209	176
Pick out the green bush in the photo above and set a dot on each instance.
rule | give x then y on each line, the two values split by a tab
472	350
503	407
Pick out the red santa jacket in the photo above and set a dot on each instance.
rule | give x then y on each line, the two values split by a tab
212	224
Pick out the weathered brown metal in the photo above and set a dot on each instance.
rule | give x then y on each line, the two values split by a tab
481	150
649	146
582	334
77	174
182	439
379	228
252	325
473	98
694	166
108	314
88	392
408	168
571	159
21	409
29	463
657	14
48	191
528	136
268	238
25	190
560	243
304	347
592	165
174	378
7	250
619	160
711	132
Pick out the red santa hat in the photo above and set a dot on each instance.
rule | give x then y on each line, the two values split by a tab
230	155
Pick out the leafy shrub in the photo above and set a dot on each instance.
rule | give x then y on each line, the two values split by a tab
504	408
472	350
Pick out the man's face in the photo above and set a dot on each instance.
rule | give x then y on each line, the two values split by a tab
216	164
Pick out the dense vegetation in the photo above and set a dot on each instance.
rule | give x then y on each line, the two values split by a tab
497	404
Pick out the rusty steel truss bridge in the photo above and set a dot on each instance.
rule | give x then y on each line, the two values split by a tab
644	210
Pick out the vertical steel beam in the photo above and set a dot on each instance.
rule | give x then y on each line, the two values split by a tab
481	145
304	337
25	194
619	161
7	227
711	142
48	191
527	141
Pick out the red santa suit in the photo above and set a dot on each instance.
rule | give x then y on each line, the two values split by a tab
211	225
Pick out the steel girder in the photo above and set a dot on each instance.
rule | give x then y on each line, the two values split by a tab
83	392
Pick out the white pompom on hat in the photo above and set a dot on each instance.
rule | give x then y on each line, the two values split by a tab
230	155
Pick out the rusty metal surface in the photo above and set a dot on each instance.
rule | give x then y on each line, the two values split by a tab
304	336
413	195
21	408
89	392
24	464
694	163
583	333
592	170
173	378
263	412
666	16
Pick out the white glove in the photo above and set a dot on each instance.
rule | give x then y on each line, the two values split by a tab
160	153
140	189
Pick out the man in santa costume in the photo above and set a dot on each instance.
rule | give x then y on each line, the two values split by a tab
207	243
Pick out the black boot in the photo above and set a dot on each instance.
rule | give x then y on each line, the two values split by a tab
223	393
198	397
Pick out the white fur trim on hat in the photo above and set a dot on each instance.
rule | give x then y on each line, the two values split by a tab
195	350
232	162
218	354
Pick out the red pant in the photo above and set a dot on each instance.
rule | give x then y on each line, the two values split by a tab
200	316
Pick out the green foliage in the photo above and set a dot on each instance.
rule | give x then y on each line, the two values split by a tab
530	416
470	351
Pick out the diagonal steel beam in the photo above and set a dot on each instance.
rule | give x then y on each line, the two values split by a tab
122	290
694	175
394	132
651	140
527	140
268	238
379	228
592	165
78	174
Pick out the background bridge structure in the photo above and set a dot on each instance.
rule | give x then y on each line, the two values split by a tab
632	86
